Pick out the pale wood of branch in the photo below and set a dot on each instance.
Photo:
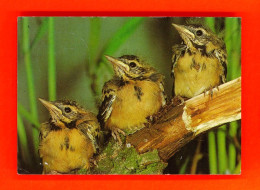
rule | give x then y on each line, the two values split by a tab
180	124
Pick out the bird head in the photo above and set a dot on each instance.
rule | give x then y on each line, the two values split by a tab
129	67
63	113
195	36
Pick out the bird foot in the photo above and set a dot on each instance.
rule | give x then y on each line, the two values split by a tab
92	162
150	120
116	135
211	93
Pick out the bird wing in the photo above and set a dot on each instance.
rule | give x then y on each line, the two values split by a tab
178	50
164	97
45	129
109	96
91	130
222	57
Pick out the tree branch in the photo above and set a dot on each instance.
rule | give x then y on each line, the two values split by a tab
180	124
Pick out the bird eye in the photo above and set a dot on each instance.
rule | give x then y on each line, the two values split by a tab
67	109
132	64
199	32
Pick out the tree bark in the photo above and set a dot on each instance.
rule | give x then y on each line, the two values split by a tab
178	125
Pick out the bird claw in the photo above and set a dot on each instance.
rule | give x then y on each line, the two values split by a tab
149	119
116	135
92	162
210	92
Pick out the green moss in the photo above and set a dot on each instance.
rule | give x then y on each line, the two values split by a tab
83	171
149	157
104	160
116	159
131	162
155	168
105	165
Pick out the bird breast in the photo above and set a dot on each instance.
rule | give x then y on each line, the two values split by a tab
196	73
134	102
65	150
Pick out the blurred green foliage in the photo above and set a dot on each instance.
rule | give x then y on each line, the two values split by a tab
63	58
227	159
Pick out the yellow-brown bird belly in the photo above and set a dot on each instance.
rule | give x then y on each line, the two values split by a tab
196	73
65	150
134	103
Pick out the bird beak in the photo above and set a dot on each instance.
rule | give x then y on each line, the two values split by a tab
185	33
54	111
118	63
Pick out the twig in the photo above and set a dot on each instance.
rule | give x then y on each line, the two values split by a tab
197	157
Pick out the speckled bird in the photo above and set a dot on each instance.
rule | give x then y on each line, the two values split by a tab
69	140
199	63
134	94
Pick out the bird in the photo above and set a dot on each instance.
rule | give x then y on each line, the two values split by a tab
131	97
69	139
199	63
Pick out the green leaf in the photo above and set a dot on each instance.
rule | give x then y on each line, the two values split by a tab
51	60
210	21
184	166
30	78
22	136
28	116
40	33
212	153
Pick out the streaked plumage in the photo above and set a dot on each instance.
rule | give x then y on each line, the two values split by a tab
200	63
69	140
135	93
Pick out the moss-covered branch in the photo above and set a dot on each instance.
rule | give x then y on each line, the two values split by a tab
116	159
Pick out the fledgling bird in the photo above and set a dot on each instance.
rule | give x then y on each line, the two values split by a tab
69	140
135	93
199	63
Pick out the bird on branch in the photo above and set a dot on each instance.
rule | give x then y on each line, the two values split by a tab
199	62
134	94
69	140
